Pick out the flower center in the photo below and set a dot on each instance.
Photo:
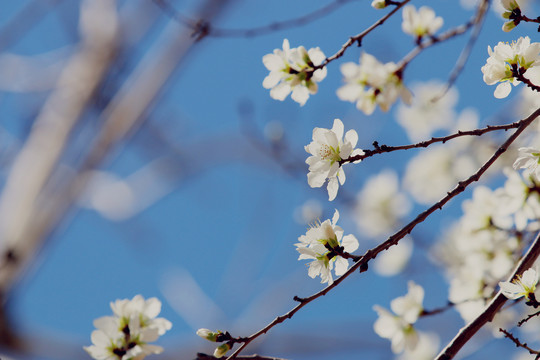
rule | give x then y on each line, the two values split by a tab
325	152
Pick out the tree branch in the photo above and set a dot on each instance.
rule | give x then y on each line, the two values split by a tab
467	332
362	263
380	149
213	31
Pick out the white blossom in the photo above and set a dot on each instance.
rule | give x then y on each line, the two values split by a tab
327	149
318	245
291	70
372	83
420	23
523	285
127	334
499	66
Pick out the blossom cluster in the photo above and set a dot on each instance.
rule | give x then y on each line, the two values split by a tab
127	334
484	245
293	70
507	61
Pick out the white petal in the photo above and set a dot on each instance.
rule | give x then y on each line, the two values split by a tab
280	91
349	243
502	90
332	188
316	179
338	128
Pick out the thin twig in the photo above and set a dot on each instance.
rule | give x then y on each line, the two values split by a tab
519	343
213	31
362	263
529	317
466	52
359	37
449	34
380	149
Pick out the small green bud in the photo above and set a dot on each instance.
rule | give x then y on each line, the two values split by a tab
221	350
508	26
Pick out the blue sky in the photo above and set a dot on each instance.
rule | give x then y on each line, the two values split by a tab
215	243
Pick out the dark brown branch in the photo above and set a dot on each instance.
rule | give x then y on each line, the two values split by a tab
467	332
362	264
518	343
519	75
380	149
213	31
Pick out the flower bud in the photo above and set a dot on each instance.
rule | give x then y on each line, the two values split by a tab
508	26
208	335
221	350
379	4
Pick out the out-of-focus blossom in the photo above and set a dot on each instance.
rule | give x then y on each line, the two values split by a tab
420	23
394	260
399	328
426	348
380	204
372	83
428	111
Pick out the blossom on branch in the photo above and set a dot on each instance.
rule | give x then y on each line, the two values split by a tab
420	23
322	243
524	285
327	149
127	334
372	83
506	61
293	70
